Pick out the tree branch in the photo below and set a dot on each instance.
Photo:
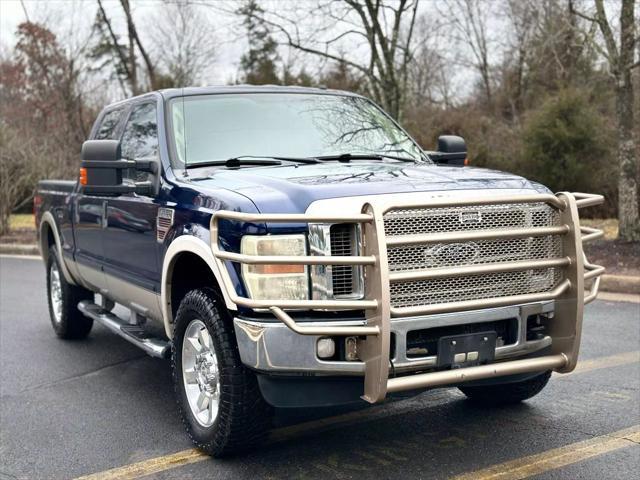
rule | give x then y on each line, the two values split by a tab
132	29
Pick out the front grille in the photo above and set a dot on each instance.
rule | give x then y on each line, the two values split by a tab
401	222
423	257
410	221
473	287
342	245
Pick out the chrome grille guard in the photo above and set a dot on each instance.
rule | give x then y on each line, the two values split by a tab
374	342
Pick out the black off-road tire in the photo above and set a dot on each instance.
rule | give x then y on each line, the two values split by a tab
243	418
507	393
71	324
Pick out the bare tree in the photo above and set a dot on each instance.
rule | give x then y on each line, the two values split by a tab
42	116
430	70
183	43
134	37
621	58
124	56
469	19
522	19
386	28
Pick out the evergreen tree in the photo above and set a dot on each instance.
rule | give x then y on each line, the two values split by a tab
258	65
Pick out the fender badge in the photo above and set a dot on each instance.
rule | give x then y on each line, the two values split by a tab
164	222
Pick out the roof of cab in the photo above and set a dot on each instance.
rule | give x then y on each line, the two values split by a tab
179	92
170	93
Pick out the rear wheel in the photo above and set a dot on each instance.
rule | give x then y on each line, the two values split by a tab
221	405
507	393
63	298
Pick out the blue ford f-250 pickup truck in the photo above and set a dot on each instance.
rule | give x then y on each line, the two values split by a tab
295	247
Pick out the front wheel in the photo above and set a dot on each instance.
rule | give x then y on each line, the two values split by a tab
63	298
507	393
219	399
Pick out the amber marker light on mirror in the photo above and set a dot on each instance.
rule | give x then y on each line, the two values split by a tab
83	176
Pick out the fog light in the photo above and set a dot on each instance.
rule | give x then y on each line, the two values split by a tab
326	348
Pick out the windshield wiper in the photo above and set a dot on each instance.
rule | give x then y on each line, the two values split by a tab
347	157
233	163
252	160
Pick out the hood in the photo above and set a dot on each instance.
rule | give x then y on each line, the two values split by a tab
291	189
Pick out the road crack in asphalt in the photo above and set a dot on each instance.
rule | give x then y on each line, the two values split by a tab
629	439
73	377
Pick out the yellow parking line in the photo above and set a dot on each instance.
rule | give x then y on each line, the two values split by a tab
148	467
185	457
558	457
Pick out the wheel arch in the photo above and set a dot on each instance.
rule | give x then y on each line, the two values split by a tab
188	253
48	235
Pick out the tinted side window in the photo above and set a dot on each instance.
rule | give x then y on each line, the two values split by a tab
140	137
107	129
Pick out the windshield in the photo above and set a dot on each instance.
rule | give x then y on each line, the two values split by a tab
218	127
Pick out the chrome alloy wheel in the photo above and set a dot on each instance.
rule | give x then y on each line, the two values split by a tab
200	373
55	291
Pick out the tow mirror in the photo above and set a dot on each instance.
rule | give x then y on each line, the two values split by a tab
101	169
452	150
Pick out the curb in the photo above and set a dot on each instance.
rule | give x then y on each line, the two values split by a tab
19	249
620	284
608	283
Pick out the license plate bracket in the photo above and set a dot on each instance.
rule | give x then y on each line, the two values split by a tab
467	350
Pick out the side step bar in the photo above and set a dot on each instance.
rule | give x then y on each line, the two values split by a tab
153	346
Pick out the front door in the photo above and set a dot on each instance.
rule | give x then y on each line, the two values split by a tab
130	245
90	214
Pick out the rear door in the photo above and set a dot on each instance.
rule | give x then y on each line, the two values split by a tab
130	245
90	212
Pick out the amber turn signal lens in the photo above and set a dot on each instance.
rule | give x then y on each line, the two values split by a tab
278	269
83	176
466	161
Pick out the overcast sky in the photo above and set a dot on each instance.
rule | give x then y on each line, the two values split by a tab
72	19
66	15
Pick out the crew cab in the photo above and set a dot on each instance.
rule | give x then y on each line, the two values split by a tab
295	247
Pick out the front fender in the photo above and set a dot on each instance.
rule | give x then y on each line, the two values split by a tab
196	246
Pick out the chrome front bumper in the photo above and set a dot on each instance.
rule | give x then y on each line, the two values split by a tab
292	342
271	347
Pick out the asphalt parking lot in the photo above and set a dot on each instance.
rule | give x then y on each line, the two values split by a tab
102	408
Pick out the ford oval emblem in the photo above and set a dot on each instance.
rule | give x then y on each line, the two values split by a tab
454	253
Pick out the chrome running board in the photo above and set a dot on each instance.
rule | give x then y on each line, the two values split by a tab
156	347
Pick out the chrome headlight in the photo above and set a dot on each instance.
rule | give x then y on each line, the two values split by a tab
275	281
